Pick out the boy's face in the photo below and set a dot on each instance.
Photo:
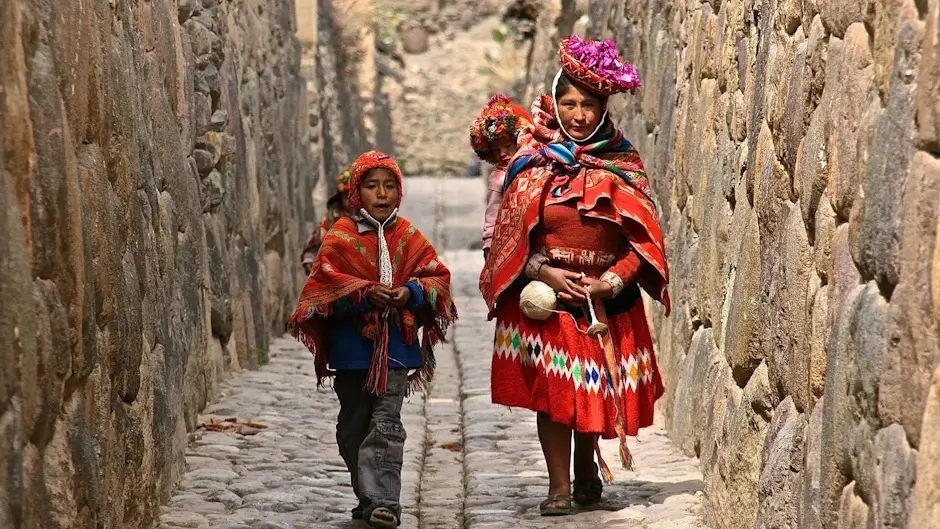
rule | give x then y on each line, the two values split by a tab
379	192
505	149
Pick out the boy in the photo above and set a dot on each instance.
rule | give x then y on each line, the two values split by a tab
336	208
374	283
493	138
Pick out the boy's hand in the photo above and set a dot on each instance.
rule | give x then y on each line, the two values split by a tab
399	297
379	296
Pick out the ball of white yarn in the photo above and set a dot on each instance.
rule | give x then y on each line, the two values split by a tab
537	300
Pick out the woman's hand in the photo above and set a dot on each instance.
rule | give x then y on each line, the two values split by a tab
379	296
596	288
564	283
399	297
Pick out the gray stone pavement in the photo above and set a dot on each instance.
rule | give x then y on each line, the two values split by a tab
468	463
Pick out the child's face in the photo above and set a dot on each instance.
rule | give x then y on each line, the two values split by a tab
505	149
379	192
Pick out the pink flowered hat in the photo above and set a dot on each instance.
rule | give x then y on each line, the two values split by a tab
597	66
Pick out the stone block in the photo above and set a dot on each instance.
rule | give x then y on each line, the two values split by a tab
817	53
731	488
824	229
794	111
852	105
810	506
838	15
783	308
811	165
890	19
925	504
853	511
913	326
928	82
741	334
700	400
791	15
779	489
716	214
889	161
895	465
818	342
838	407
843	275
771	189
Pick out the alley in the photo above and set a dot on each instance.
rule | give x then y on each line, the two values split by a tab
468	463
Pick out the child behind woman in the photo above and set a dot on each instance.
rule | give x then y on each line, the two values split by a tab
493	138
337	207
374	283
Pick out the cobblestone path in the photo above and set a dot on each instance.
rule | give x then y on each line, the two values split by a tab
468	463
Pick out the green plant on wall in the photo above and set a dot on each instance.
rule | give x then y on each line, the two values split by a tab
387	21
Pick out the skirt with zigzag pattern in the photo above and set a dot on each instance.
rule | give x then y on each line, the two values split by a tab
554	367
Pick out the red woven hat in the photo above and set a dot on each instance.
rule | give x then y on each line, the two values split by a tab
365	163
500	117
597	66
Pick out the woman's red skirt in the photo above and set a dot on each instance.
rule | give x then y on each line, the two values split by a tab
554	367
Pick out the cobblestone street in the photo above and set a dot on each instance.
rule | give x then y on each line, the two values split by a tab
468	463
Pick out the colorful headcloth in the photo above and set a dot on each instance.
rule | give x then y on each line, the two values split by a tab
597	66
342	185
499	118
365	163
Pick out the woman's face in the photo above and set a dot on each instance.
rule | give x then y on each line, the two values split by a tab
580	112
379	192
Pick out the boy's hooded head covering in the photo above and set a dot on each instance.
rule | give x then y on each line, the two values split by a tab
365	163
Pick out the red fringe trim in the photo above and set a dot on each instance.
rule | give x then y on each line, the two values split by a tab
438	321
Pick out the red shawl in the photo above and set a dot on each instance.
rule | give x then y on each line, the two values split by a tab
612	184
344	270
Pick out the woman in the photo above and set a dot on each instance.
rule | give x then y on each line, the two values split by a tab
577	216
494	137
337	207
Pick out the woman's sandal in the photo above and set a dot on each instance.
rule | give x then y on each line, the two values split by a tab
559	505
587	491
383	518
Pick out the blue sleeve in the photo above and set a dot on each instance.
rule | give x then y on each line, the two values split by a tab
417	299
344	308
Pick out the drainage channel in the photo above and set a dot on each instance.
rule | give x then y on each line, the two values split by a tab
442	486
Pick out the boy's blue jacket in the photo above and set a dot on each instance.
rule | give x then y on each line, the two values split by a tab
350	351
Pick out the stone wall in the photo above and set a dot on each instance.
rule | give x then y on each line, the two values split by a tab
155	174
793	150
346	107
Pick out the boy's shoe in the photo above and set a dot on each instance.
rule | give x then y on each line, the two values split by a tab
358	512
383	518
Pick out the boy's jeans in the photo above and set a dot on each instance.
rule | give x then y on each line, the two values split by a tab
371	438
